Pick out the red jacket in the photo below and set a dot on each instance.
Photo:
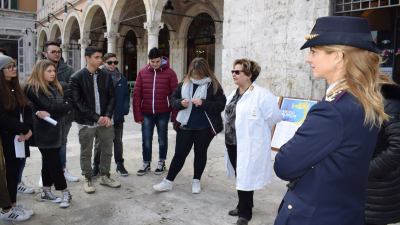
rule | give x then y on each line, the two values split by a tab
153	89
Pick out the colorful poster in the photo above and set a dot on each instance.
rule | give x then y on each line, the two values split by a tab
294	112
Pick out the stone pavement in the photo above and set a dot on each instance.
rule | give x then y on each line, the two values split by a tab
135	203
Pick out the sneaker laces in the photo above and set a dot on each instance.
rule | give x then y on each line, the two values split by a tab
19	209
49	194
89	182
109	179
67	196
145	165
160	165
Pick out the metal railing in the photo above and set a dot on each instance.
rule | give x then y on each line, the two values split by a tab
347	6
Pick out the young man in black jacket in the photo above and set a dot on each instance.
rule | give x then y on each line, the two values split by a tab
53	53
120	84
93	100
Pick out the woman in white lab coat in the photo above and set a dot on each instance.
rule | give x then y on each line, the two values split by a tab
250	113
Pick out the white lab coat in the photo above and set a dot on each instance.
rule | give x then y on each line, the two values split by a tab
256	113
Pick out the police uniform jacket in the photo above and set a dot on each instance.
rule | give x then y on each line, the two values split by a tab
327	164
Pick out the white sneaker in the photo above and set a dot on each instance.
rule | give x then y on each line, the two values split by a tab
66	199
165	185
196	186
47	195
69	177
40	182
20	207
14	215
24	189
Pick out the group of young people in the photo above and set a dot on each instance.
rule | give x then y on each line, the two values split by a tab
327	163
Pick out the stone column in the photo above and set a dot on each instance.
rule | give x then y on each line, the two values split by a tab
177	55
85	42
65	48
218	56
153	28
111	41
141	53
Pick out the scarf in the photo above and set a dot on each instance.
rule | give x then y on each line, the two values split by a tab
187	93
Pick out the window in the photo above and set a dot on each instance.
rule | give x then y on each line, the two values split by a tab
21	56
9	4
346	6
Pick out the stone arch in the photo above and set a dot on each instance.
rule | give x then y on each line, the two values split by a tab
55	28
41	41
88	17
69	21
194	11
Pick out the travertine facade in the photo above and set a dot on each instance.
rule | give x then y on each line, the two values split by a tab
271	33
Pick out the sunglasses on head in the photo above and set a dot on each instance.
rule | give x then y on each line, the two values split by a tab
111	62
236	72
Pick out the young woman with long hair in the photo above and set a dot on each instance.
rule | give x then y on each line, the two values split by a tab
46	94
327	160
200	101
16	121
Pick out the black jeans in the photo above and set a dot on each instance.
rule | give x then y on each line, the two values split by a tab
12	166
245	204
185	139
118	147
52	171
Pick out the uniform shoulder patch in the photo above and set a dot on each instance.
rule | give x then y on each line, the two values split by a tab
335	96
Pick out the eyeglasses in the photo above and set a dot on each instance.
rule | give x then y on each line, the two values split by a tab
111	62
236	72
10	67
56	52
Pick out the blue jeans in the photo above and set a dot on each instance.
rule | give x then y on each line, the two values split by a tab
161	122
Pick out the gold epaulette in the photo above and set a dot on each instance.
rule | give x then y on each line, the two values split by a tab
332	95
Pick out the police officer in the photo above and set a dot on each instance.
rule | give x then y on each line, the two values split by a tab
326	162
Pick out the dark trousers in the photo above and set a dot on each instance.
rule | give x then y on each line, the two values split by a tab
13	166
63	149
5	202
245	204
185	139
161	122
118	147
21	170
52	171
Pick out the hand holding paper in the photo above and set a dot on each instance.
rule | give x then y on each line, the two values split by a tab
50	120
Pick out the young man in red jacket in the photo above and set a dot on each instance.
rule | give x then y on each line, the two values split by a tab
151	107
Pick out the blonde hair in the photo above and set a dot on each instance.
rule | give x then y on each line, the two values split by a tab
36	79
200	66
362	79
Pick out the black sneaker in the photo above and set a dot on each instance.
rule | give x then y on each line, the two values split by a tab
95	170
145	169
160	168
121	170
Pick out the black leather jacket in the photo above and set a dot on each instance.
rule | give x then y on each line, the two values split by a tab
82	88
